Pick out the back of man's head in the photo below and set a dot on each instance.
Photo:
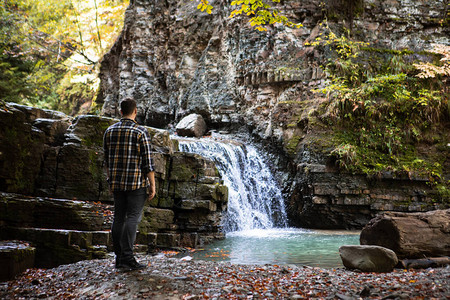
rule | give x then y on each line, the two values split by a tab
127	106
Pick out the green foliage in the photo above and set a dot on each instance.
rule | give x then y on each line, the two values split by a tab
260	13
443	189
15	65
382	111
77	92
28	72
49	49
205	6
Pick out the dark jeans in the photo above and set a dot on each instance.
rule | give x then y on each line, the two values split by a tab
128	206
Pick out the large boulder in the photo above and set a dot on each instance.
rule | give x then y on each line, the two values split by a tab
368	258
410	235
192	125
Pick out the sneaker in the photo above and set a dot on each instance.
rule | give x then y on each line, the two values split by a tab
132	265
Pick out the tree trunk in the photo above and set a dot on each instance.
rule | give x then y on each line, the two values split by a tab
410	235
424	263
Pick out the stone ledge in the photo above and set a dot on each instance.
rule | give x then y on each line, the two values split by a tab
15	257
57	246
24	211
198	204
346	200
313	168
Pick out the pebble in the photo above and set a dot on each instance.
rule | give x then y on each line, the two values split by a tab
172	278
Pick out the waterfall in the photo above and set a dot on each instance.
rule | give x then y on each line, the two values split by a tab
255	200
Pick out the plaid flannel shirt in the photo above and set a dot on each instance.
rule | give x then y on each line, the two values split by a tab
127	155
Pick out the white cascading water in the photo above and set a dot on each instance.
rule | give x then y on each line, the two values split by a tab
254	198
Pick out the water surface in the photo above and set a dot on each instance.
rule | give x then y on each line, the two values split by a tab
316	248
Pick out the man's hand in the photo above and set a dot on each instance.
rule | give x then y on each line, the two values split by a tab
152	191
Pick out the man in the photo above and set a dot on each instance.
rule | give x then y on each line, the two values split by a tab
130	170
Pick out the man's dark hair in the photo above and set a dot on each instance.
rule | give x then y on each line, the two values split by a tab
127	106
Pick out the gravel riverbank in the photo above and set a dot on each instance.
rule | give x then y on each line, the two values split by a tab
175	278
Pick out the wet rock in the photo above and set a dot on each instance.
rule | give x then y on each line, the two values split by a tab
326	198
155	219
168	240
192	125
188	190
188	167
368	258
198	204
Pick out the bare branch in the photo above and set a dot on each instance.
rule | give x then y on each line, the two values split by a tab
96	24
43	45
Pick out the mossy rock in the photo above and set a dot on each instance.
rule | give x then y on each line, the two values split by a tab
90	129
156	219
21	149
188	167
293	144
161	141
81	174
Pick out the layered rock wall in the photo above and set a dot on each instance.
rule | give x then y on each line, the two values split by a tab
55	194
175	60
322	197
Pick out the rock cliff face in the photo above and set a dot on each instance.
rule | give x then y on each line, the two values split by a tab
53	189
175	60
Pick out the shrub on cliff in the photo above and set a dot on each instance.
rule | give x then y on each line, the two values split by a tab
388	108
